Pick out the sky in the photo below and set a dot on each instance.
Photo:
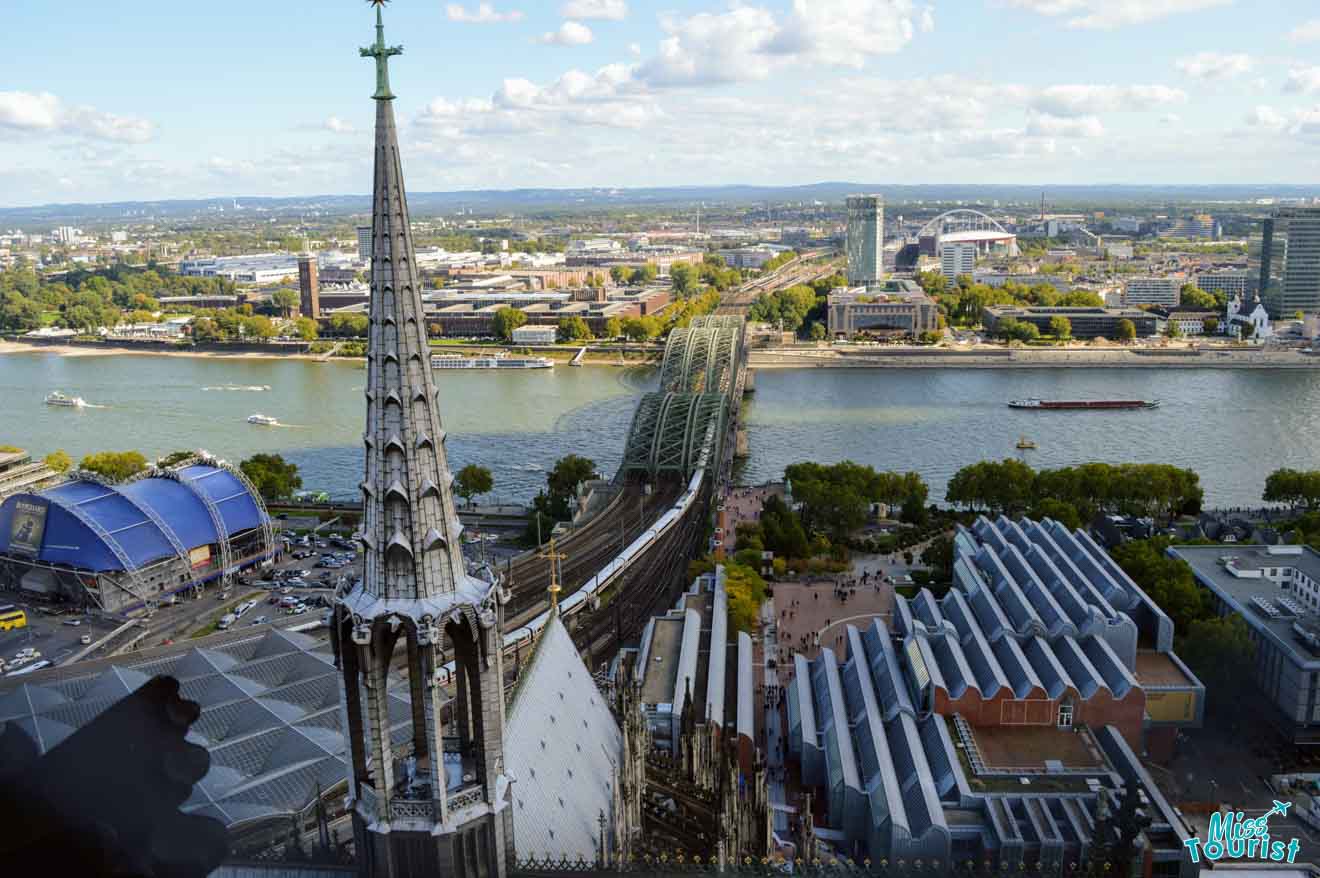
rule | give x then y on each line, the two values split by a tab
151	100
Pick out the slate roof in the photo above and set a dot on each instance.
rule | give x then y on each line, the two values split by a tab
270	715
562	745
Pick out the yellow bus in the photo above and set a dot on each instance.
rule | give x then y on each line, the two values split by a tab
12	617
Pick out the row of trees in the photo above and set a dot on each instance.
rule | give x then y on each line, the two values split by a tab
1297	488
1075	494
85	300
836	499
629	276
963	301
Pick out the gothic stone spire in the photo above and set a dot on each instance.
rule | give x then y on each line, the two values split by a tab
410	527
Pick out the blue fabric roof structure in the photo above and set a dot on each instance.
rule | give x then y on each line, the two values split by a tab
99	527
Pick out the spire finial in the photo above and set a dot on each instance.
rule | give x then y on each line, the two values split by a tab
382	53
553	557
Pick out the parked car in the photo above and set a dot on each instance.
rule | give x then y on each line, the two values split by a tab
73	623
85	639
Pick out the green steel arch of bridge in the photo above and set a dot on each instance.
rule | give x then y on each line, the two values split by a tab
684	426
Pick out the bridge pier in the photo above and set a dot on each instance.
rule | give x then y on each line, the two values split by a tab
742	446
749	382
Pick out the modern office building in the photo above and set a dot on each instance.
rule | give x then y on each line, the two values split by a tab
1086	322
1232	283
997	724
309	287
956	259
900	308
1285	262
364	243
1152	291
1199	226
535	335
866	239
1276	590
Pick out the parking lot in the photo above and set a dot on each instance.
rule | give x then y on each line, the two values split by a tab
48	633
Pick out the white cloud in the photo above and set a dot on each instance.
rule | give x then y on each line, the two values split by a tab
1214	65
635	49
927	20
223	167
339	126
609	10
1045	125
484	13
570	33
1085	100
1108	14
1303	80
1267	118
45	112
1306	32
747	43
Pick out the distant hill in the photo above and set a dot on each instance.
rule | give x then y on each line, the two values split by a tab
531	201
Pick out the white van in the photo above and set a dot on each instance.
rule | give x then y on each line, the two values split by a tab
227	621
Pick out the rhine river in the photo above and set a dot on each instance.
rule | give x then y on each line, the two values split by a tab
1231	426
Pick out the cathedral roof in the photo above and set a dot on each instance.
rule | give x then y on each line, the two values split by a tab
562	746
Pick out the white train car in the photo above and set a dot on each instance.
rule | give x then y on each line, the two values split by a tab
525	635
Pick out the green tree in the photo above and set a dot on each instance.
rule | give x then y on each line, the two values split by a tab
258	327
780	530
684	278
1192	296
1172	329
1168	581
574	329
59	461
646	274
306	328
1006	486
613	328
174	458
621	274
1293	487
473	480
1061	327
506	320
1061	511
836	498
273	477
746	591
818	331
562	482
1221	653
116	466
1127	330
285	301
1210	325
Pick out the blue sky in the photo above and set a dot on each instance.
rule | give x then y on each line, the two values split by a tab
109	101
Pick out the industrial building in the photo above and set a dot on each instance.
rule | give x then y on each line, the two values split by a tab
866	240
1087	322
999	723
901	307
123	547
535	334
1284	262
1276	590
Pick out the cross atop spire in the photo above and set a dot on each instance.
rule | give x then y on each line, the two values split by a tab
382	53
554	558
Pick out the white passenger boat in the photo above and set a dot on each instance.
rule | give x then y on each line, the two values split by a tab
498	361
263	420
59	399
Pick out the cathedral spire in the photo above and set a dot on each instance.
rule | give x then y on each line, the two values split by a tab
410	527
382	53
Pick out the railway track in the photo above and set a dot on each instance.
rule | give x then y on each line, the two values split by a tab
585	551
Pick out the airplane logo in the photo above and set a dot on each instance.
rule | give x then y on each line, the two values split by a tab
1280	808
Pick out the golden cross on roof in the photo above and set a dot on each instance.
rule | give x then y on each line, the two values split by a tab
553	557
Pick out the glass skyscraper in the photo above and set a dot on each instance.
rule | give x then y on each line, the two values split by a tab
1285	262
866	240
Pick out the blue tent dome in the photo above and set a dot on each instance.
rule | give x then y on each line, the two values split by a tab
91	526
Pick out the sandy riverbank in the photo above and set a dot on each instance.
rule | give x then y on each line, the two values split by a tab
111	350
1029	359
17	347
